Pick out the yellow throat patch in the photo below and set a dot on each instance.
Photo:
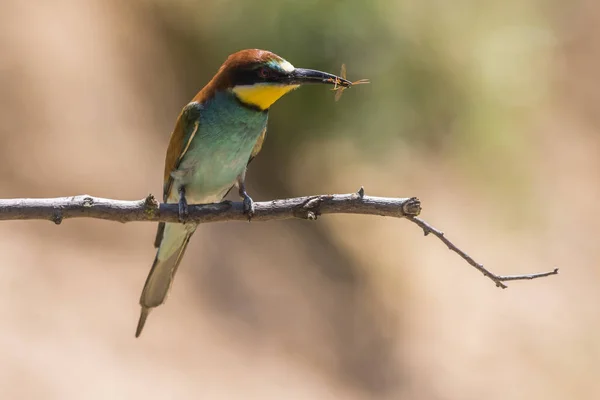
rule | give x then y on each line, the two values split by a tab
262	95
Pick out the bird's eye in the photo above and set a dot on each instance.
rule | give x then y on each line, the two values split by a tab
264	73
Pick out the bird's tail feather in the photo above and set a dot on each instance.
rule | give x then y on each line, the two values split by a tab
168	256
159	234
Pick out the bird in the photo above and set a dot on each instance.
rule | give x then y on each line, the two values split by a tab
215	137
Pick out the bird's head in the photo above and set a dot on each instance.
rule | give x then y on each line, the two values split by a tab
259	78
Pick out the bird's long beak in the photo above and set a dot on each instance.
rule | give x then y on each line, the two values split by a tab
301	76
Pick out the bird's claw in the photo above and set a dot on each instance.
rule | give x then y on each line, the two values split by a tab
183	212
183	207
248	207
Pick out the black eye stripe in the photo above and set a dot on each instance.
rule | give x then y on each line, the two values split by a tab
250	76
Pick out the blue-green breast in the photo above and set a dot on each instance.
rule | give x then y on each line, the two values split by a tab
221	147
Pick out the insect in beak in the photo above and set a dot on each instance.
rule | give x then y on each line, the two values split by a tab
339	89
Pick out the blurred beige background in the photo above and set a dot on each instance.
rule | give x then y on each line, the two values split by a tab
489	113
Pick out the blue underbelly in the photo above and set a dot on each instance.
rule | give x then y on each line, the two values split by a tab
221	148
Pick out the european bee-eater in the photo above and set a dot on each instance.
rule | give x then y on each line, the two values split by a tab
216	136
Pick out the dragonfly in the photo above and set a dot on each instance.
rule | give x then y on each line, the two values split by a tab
338	88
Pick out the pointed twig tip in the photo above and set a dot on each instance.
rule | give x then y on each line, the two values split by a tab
361	192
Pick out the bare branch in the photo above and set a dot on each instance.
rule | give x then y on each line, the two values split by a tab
148	209
498	279
308	207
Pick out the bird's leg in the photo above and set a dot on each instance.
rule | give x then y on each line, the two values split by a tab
248	202
183	206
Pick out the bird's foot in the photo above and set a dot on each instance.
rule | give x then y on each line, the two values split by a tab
248	206
183	206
